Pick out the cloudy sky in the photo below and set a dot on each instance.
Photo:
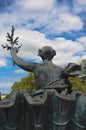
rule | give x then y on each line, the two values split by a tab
57	23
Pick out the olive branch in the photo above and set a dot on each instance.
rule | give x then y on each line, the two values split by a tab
12	41
10	38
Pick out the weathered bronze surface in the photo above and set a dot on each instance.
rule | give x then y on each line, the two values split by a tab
48	74
50	107
48	110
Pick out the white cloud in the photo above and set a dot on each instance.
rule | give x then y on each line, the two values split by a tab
64	59
32	41
7	82
5	85
20	71
63	22
84	56
67	46
81	2
36	5
44	13
82	40
79	6
3	62
70	22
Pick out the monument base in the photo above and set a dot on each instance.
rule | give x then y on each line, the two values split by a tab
45	110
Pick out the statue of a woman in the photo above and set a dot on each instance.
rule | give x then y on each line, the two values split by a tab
44	73
47	74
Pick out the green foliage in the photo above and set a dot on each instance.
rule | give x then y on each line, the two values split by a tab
26	83
78	85
83	64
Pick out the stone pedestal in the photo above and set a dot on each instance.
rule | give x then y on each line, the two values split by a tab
45	110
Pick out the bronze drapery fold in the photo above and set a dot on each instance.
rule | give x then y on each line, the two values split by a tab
45	110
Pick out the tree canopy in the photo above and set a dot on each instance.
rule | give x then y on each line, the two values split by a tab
79	82
27	83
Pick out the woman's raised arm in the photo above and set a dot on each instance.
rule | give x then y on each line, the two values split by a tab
21	63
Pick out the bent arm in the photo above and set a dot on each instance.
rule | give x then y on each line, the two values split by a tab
21	63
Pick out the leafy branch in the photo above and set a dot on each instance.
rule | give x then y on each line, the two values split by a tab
12	41
10	37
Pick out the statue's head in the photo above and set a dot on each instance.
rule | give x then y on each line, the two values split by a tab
46	52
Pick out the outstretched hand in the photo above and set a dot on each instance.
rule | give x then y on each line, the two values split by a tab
15	49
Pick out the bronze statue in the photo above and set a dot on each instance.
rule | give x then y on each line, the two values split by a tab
48	108
47	74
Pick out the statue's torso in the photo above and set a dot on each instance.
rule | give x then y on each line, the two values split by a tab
46	74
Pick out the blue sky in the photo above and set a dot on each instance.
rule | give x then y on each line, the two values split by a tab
57	23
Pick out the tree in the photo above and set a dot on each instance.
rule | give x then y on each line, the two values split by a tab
27	83
79	82
83	72
78	85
